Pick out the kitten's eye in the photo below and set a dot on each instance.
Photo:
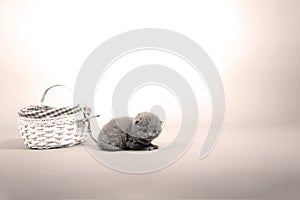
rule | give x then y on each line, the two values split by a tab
145	130
154	131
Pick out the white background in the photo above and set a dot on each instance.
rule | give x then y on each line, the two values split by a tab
254	44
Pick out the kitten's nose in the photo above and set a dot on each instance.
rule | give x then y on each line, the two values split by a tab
151	134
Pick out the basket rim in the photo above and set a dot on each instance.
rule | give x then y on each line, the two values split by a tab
43	113
46	119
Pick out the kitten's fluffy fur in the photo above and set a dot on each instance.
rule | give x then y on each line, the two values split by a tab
127	133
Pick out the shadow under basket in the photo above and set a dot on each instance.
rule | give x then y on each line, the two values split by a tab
44	127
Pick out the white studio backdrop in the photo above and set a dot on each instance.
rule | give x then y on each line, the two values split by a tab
253	44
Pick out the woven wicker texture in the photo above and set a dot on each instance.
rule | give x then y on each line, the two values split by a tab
44	127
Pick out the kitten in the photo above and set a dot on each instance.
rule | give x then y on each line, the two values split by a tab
127	133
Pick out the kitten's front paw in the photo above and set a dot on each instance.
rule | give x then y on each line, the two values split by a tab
150	147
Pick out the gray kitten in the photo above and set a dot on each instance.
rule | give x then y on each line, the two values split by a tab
127	133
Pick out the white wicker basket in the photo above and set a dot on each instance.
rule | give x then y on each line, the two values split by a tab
44	127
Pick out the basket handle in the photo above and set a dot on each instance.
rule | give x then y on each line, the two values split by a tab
46	91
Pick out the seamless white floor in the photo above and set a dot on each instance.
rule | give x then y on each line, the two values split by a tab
246	164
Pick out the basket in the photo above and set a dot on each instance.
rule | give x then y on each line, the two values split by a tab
45	127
